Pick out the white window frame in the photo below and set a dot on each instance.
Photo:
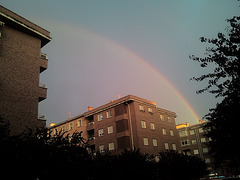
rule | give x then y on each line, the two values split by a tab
152	126
70	126
145	141
164	131
143	124
100	117
195	151
161	117
166	145
101	148
100	132
171	132
79	122
111	146
154	141
141	107
174	147
109	113
110	129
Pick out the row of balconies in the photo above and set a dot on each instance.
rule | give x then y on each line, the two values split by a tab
42	86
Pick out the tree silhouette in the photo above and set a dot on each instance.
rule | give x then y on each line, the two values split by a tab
223	81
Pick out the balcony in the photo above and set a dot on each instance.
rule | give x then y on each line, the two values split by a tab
43	62
90	126
42	92
91	141
42	117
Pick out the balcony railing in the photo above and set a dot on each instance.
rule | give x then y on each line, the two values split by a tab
44	56
42	117
43	85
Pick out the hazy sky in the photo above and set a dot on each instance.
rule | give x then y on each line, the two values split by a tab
102	48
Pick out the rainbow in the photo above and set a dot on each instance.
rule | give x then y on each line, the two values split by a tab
115	47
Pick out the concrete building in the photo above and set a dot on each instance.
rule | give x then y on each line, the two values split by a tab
126	123
193	141
21	63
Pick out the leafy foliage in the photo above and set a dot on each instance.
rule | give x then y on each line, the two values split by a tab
224	81
40	155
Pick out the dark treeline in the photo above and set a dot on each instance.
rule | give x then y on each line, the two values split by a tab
40	155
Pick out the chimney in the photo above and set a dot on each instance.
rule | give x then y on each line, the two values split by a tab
90	108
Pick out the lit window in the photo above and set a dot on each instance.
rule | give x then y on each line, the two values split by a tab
70	126
150	110
110	129
169	119
192	132
109	114
143	124
194	141
154	142
145	141
166	145
205	150
203	140
141	107
171	132
100	132
207	160
152	126
111	146
200	130
100	117
79	122
183	133
195	151
101	148
161	117
164	131
174	147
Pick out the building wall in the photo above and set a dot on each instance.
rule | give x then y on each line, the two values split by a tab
20	65
123	129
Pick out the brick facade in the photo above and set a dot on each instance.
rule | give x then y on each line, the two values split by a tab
126	123
20	66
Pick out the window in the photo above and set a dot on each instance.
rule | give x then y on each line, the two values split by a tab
100	117
207	160
205	150
143	124
185	143
109	114
150	110
194	141
183	133
100	132
171	132
111	146
200	130
110	129
195	151
55	131
79	122
145	141
63	128
169	119
192	132
154	142
174	147
166	145
164	131
141	107
152	126
101	148
70	126
203	140
161	117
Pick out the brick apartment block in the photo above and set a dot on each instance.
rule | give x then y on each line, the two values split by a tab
126	123
21	63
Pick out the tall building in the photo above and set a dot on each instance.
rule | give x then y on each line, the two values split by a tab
193	141
126	123
21	63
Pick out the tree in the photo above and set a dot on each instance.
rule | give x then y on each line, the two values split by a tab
173	165
224	81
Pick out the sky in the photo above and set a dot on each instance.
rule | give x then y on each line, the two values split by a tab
104	48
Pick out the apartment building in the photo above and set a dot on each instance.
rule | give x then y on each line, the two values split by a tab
126	123
193	141
21	63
